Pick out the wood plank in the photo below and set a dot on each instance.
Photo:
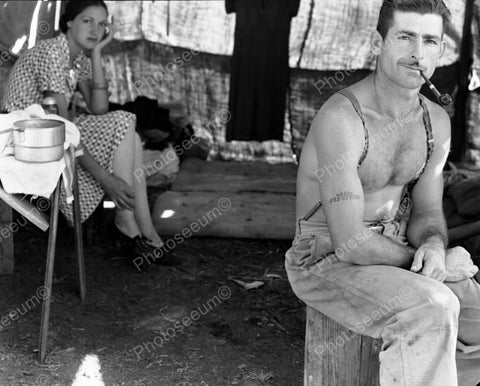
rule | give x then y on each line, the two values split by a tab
335	355
222	214
48	283
5	212
198	175
26	209
6	243
82	280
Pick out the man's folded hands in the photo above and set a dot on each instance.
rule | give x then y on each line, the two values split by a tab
459	265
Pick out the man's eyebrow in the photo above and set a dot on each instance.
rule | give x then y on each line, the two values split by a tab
414	35
433	37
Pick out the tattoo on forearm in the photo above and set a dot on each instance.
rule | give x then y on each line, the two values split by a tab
345	196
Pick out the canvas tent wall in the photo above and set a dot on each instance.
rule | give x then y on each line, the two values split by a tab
180	50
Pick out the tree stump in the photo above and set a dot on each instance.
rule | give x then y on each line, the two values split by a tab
336	356
6	239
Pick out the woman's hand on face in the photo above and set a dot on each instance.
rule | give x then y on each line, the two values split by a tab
121	193
107	38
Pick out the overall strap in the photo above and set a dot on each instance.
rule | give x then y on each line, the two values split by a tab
312	211
405	203
356	105
430	142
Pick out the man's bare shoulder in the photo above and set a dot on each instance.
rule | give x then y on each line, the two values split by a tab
336	117
337	129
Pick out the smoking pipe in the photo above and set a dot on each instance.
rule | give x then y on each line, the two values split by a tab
443	99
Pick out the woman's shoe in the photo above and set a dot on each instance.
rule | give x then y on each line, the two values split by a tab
141	253
167	257
123	244
145	254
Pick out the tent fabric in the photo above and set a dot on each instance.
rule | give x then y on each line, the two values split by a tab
341	33
141	68
473	101
21	13
180	50
205	26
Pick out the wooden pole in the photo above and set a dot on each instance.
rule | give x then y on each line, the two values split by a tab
82	287
6	242
460	120
47	287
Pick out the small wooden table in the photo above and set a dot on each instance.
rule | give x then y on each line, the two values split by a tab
30	212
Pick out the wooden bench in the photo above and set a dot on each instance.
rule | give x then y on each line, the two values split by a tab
336	356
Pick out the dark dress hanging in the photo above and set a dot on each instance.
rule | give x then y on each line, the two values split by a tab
259	69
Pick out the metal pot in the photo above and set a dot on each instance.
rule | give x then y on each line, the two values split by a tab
38	154
38	140
39	132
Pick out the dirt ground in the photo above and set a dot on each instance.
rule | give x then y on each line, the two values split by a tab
185	326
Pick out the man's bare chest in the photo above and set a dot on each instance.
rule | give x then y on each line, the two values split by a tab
395	156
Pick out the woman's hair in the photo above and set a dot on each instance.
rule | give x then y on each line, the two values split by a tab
73	8
436	7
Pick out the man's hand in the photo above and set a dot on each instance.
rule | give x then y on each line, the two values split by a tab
429	260
459	265
120	192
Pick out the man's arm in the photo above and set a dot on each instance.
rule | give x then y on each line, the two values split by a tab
338	135
427	229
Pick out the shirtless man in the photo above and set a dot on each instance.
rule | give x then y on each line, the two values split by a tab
370	249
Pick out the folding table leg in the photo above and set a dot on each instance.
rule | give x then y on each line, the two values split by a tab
79	238
52	241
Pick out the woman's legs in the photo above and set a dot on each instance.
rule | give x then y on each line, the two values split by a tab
128	158
142	210
123	166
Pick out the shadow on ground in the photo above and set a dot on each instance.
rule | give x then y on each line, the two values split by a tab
184	326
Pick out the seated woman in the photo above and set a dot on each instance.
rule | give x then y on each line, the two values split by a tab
112	149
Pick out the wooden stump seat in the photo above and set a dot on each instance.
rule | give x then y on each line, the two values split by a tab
336	356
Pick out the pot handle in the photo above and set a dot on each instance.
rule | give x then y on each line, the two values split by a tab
21	133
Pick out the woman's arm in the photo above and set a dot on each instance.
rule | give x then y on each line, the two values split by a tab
118	190
96	92
122	194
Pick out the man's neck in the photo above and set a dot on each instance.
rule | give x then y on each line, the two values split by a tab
393	101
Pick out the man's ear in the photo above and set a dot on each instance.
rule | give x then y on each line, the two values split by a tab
69	24
443	46
376	42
